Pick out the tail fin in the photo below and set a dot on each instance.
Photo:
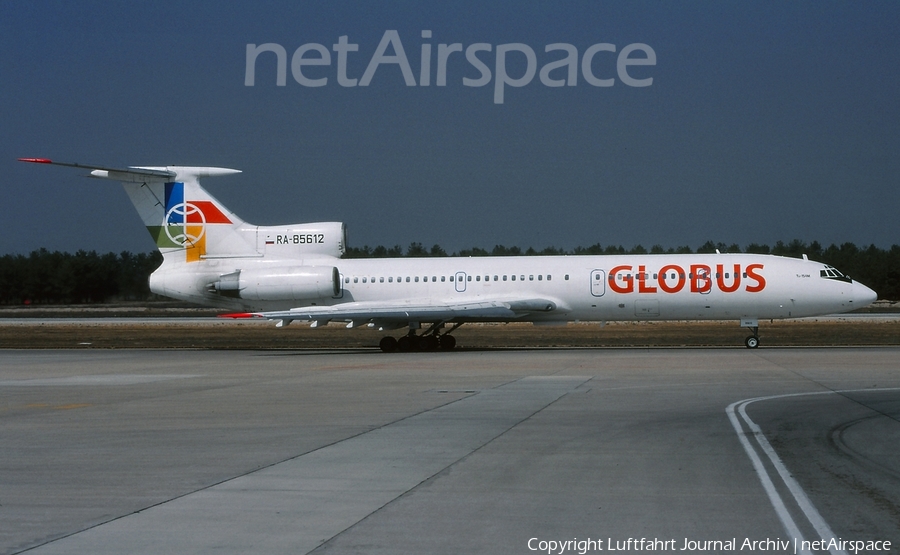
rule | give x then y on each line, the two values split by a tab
181	216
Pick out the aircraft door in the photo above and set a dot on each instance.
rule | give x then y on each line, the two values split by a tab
598	283
460	280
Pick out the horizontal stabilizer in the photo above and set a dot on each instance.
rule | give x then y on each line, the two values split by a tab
142	173
152	172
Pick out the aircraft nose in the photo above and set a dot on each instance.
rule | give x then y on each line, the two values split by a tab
862	295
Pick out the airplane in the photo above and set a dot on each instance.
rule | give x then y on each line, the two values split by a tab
295	272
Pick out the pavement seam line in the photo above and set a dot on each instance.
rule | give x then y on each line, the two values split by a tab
452	464
232	478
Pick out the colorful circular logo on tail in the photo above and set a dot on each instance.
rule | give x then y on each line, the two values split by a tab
185	224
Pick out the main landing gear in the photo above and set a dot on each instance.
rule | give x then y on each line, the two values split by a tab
430	340
752	342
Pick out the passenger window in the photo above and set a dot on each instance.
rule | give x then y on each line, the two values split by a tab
468	278
549	277
451	278
504	277
390	280
496	278
522	278
514	277
540	277
356	280
443	278
567	277
433	278
381	280
407	279
346	280
477	278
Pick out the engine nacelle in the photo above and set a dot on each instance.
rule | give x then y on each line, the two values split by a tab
286	283
298	241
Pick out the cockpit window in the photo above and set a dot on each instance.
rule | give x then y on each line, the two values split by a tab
830	272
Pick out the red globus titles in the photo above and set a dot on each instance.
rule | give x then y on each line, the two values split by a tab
672	278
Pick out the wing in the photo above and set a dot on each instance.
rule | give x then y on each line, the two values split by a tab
395	314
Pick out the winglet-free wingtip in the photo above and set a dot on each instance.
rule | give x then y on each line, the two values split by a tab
236	315
36	160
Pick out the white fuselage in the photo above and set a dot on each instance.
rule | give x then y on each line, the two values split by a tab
611	287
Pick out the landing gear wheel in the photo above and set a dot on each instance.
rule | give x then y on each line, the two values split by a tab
388	344
407	343
448	342
428	343
752	342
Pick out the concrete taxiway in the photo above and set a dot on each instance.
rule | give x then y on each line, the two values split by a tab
480	451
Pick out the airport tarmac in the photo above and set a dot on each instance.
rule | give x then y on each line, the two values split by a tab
491	451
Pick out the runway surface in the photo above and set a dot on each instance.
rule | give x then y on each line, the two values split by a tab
176	451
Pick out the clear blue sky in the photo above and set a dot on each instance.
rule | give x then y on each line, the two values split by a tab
764	121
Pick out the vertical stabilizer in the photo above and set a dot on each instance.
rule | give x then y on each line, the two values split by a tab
186	222
184	219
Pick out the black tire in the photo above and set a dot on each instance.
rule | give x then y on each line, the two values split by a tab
448	342
429	343
752	342
388	344
406	343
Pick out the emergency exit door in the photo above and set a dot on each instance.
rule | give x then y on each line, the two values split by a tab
598	283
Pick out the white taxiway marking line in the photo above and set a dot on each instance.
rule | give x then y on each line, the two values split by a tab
789	525
822	528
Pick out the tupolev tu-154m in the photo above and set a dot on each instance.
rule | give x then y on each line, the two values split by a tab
295	272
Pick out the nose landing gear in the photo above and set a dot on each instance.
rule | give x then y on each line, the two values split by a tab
752	342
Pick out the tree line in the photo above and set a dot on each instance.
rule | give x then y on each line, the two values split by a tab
44	277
